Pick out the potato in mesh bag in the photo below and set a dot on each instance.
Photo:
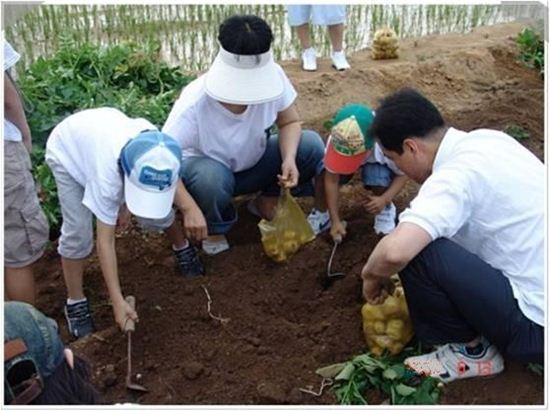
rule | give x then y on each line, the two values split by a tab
387	326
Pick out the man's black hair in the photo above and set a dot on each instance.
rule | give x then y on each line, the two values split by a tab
245	35
404	114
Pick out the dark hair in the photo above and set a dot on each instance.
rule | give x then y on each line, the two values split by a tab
245	35
69	386
404	114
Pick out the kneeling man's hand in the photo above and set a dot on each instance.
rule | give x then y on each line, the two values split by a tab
376	289
289	174
195	224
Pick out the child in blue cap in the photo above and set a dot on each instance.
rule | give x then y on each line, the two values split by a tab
108	165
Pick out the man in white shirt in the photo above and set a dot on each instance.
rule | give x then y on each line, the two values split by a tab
222	121
108	165
25	224
470	248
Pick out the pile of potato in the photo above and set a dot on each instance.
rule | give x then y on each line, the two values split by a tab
387	326
280	248
384	45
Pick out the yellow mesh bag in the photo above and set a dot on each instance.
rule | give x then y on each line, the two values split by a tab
387	326
288	231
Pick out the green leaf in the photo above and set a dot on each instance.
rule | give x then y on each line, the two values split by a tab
330	371
346	372
404	390
389	374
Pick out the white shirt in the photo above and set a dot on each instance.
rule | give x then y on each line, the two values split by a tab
377	156
486	193
203	127
11	132
88	144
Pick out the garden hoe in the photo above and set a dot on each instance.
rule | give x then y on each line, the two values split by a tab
129	328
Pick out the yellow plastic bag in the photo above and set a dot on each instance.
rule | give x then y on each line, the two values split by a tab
387	326
289	229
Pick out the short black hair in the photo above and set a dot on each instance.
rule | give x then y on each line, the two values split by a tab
245	35
404	114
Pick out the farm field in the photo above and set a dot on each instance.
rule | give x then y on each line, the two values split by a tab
282	326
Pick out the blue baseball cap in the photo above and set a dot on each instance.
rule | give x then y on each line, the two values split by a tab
33	351
151	163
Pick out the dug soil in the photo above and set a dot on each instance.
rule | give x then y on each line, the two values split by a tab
272	325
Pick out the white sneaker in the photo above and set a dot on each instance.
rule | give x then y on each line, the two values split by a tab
215	247
309	59
339	61
452	362
384	222
319	221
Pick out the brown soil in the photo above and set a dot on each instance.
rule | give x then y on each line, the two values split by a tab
282	326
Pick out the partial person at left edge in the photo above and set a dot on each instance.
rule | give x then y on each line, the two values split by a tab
25	224
38	369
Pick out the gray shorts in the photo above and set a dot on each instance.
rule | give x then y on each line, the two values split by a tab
26	228
77	232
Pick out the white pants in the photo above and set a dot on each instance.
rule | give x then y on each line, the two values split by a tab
319	14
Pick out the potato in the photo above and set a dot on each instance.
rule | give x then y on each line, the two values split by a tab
289	235
290	246
394	329
372	312
383	341
376	350
379	327
391	306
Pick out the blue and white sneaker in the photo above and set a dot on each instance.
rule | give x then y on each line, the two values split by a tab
188	262
79	319
452	362
319	221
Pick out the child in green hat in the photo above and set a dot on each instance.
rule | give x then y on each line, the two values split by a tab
349	148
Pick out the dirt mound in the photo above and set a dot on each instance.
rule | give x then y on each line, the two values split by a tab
281	324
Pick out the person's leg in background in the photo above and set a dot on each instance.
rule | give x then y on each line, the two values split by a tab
25	225
376	179
187	259
458	300
334	17
298	17
212	186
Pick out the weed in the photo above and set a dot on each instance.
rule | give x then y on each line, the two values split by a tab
387	375
518	132
531	49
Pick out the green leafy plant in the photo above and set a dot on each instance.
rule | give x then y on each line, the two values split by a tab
129	77
518	132
386	375
531	47
126	76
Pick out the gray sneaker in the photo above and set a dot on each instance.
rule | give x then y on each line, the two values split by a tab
79	319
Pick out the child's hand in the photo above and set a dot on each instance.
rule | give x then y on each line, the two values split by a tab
375	204
338	231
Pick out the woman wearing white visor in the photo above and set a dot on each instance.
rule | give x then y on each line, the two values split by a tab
223	121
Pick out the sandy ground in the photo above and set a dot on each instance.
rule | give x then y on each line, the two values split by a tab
283	326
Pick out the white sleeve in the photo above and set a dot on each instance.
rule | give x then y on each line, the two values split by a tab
289	93
442	205
10	56
182	124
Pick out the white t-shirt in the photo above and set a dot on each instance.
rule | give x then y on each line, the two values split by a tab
88	144
11	132
377	156
203	127
486	193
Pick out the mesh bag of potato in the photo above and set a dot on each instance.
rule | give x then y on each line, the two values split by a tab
289	229
387	326
384	44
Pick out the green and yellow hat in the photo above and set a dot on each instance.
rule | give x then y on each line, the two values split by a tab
349	143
